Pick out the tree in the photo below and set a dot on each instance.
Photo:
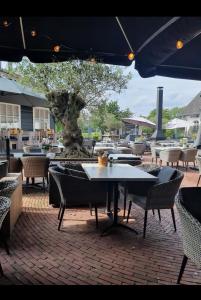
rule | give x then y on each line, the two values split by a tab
168	114
80	82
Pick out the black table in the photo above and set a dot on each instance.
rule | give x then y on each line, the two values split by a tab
113	175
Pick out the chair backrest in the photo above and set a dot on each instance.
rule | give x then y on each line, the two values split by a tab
4	208
188	155
138	148
35	166
170	155
75	187
191	227
198	160
162	195
165	174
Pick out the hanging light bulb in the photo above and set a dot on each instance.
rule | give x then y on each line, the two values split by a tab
5	23
131	56
92	60
179	44
56	48
33	33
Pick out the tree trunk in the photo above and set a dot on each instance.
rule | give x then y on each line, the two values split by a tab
66	107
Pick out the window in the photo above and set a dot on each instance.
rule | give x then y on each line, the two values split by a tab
9	116
41	118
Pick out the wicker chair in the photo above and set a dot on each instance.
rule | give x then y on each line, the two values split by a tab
138	149
4	208
154	154
198	161
188	155
6	189
35	166
15	165
158	196
170	156
189	208
72	181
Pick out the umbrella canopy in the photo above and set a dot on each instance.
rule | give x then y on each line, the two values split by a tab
177	123
139	121
15	93
153	40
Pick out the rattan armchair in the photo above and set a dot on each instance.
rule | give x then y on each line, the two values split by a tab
170	156
188	155
138	149
154	154
35	166
189	208
159	196
198	160
4	209
76	190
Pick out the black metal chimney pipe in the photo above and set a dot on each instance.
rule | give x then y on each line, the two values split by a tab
158	133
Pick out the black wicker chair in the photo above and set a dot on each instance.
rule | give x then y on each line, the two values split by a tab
189	208
76	190
158	196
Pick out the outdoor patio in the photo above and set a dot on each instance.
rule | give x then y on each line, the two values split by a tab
40	254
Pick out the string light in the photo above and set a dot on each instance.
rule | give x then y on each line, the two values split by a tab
179	44
33	33
131	56
92	60
56	48
5	23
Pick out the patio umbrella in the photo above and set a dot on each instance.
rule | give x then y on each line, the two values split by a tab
176	123
15	93
140	121
166	46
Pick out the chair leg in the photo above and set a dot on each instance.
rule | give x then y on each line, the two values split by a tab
47	180
194	164
186	166
173	218
1	270
96	214
61	218
129	210
185	258
90	208
59	214
153	211
145	223
198	180
27	181
159	215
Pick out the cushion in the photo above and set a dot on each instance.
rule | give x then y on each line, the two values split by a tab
190	199
166	174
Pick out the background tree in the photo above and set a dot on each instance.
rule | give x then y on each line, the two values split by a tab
90	82
168	114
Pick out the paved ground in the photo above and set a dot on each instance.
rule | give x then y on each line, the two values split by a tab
78	255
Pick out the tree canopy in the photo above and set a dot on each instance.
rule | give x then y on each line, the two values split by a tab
92	81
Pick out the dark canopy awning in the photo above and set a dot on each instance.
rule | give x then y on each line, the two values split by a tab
109	40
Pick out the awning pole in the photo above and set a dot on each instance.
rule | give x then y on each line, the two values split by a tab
22	32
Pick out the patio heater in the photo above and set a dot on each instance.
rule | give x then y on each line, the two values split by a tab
158	133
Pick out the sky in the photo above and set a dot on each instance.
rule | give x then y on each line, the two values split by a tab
140	96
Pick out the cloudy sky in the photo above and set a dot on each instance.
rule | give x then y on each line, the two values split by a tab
140	96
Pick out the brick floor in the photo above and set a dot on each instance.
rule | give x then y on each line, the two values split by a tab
78	255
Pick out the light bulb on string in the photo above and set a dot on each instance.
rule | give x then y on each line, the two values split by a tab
131	56
179	44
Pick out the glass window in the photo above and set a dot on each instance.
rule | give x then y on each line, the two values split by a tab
9	116
41	118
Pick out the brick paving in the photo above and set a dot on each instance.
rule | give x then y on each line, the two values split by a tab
78	255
